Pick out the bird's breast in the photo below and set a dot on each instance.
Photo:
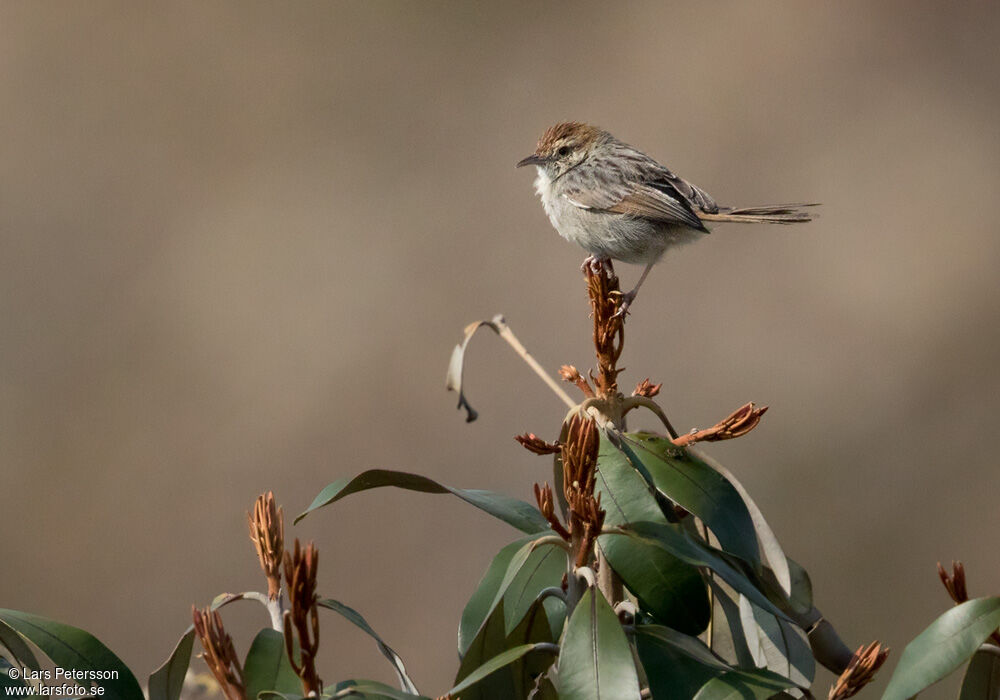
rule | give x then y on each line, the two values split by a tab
621	237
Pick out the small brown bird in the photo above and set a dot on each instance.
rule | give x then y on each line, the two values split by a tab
617	203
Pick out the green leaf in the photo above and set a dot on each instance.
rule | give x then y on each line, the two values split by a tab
495	664
729	641
941	648
72	648
481	602
514	680
626	495
691	647
166	682
356	618
982	678
371	690
777	645
666	587
545	688
16	645
595	662
676	664
800	599
676	541
521	515
773	553
267	666
544	568
743	685
520	568
698	488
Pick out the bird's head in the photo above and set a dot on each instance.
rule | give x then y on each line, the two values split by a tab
563	146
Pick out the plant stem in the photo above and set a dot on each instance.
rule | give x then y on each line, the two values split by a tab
504	331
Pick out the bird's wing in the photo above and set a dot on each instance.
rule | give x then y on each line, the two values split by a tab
638	187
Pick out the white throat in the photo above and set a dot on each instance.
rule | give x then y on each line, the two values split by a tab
543	184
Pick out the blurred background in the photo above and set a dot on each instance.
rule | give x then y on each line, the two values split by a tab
239	240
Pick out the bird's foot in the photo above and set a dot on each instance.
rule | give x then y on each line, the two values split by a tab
623	305
595	264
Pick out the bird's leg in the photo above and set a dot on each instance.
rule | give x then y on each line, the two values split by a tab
629	297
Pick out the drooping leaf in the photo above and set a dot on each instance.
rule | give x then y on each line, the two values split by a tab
743	685
478	608
166	682
679	543
453	381
777	644
676	664
685	644
359	621
72	648
698	488
774	555
370	690
267	666
729	640
668	588
495	664
982	678
595	661
944	646
515	679
800	599
16	645
523	516
544	568
522	567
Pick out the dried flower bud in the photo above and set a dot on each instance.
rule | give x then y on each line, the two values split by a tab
533	443
737	424
859	672
571	374
954	584
219	655
646	388
303	617
267	532
546	504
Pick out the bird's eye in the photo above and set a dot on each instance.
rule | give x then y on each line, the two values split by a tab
563	151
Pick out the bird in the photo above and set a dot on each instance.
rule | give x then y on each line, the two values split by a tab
618	203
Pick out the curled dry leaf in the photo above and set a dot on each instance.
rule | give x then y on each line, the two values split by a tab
453	381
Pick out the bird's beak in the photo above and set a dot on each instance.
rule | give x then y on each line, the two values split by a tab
533	159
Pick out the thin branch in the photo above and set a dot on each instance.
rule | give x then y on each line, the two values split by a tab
504	331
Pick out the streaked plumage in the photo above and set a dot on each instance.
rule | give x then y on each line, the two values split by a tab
618	203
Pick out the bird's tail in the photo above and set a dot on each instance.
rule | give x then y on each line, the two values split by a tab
774	214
